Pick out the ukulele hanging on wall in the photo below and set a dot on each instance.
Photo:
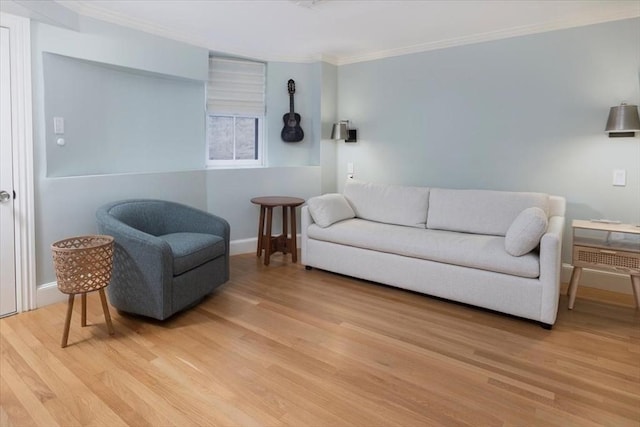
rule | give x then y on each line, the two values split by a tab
291	132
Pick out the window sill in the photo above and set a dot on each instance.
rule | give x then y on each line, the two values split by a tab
214	167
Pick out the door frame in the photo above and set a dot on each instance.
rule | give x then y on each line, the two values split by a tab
22	137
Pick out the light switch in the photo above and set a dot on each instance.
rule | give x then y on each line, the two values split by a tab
58	125
350	167
619	177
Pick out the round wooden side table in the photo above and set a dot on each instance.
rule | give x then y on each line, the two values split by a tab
284	243
83	264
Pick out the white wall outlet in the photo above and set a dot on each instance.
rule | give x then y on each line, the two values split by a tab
619	177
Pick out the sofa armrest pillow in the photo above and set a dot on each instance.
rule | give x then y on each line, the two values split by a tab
525	231
329	208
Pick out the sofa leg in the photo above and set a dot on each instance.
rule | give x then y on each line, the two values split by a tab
546	326
307	267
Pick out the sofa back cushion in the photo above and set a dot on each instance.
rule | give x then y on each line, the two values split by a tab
480	211
390	204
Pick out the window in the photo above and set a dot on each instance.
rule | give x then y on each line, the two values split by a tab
235	112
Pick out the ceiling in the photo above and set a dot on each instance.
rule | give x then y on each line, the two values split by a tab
346	31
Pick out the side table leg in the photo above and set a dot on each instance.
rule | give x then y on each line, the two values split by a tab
294	231
260	231
105	309
266	239
573	285
285	232
67	322
635	284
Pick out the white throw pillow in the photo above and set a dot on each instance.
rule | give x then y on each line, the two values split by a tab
329	208
525	231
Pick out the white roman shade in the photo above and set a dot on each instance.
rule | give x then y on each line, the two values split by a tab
236	87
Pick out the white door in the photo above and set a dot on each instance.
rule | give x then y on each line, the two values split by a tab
8	303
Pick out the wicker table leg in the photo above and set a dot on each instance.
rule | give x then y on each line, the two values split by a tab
84	309
105	309
67	322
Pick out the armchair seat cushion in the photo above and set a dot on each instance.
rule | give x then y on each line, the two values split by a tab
191	250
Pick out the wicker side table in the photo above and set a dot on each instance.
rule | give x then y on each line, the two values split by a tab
83	264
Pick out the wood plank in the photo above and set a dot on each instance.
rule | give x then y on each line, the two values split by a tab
282	346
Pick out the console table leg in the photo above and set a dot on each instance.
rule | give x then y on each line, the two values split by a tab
635	284
573	285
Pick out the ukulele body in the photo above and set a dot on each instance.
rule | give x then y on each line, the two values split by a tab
291	132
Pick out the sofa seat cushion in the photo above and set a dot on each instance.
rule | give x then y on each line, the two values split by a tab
480	211
191	250
469	250
390	204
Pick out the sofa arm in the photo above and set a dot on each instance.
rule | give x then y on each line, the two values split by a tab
550	268
305	221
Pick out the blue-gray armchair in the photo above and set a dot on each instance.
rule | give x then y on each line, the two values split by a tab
168	256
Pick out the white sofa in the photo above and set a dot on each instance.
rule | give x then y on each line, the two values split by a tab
494	249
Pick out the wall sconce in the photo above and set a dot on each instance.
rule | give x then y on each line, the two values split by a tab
341	131
623	121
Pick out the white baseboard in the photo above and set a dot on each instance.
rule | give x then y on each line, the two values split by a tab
608	281
246	246
48	293
243	246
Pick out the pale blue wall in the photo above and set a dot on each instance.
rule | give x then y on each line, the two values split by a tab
526	113
229	192
120	119
328	116
66	206
282	153
117	58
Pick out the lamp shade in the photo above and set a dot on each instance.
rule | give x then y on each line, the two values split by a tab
340	131
623	118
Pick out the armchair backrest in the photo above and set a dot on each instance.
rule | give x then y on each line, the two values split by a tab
148	216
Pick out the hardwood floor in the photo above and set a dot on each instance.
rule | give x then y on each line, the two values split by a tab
279	345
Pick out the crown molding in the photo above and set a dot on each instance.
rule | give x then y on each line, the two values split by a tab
485	37
86	8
